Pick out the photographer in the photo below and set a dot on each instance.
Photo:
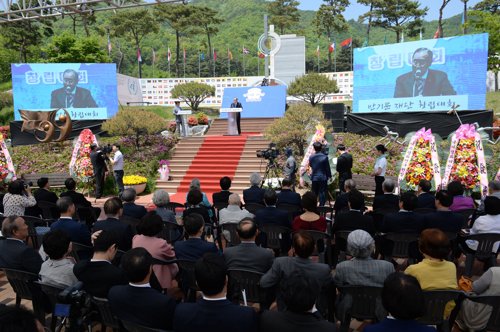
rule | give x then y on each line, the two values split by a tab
98	159
17	199
290	168
117	162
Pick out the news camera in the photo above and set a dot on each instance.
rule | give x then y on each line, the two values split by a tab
270	153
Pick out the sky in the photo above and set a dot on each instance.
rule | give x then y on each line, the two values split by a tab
355	10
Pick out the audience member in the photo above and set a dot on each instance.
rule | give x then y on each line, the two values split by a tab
405	219
77	198
233	213
98	274
17	199
194	247
149	227
254	194
113	209
18	319
137	302
443	218
302	248
354	218
403	298
14	253
270	214
460	202
494	190
310	219
489	223
76	231
43	192
161	198
387	201
129	207
379	168
247	255
194	206
287	196
474	316
214	312
425	197
344	166
58	269
196	185
342	200
299	293
222	197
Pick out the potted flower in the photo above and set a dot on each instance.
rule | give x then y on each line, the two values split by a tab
192	121
164	170
135	181
202	118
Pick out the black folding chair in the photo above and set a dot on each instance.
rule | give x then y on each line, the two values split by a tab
49	210
175	207
276	238
322	241
234	238
86	215
435	303
32	223
171	232
134	327
219	206
293	210
493	301
51	292
241	280
467	214
340	251
484	251
81	251
424	210
401	242
187	279
363	305
107	318
254	207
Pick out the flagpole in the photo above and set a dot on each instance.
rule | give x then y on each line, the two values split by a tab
352	48
228	63
317	55
258	65
154	58
213	57
335	58
184	63
199	64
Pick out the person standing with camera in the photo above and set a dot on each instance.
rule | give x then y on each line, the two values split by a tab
321	172
117	162
290	168
98	159
17	199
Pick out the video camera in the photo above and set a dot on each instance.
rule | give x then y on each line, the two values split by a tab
73	295
107	149
270	153
26	185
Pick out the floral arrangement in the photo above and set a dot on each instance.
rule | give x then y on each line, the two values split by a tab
202	118
192	121
130	180
319	136
6	167
172	126
420	162
80	165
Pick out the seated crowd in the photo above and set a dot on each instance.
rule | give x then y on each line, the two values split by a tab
129	256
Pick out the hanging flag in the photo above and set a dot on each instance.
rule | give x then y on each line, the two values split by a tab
215	55
436	34
169	55
154	56
317	50
109	45
346	43
261	55
245	50
139	57
331	47
229	54
202	56
365	43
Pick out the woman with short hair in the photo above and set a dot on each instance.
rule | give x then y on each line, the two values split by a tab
161	199
17	199
379	168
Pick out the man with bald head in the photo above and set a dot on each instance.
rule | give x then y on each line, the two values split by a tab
422	81
233	213
71	96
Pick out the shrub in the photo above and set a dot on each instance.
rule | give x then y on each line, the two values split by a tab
192	121
6	115
202	118
193	93
6	99
172	126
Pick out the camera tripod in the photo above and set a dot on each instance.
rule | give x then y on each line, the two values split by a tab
271	171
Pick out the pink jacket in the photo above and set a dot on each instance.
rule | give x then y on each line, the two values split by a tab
160	249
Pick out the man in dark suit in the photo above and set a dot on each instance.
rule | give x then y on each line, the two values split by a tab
77	198
194	247
299	293
76	231
422	81
443	218
247	255
98	159
387	201
222	197
14	253
137	302
287	196
214	312
344	166
113	209
129	207
70	95
321	172
43	193
254	194
426	199
98	274
342	200
270	214
237	104
405	219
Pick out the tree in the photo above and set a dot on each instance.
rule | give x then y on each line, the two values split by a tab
491	6
193	93
137	23
464	19
24	36
440	19
298	124
368	15
135	124
329	19
67	48
312	88
399	16
488	22
284	13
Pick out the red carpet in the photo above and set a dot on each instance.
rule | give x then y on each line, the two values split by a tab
218	156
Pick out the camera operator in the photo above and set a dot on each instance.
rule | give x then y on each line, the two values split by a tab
98	159
17	199
290	168
117	162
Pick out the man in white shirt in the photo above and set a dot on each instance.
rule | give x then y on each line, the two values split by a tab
117	162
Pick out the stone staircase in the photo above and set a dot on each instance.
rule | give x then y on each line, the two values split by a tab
253	125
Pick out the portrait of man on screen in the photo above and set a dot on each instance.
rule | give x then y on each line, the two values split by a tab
70	95
422	81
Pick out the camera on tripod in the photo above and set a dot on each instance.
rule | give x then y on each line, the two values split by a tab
270	153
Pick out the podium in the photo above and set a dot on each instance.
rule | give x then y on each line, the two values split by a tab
184	130
232	127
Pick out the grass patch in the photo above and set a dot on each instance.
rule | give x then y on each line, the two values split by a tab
493	101
5	86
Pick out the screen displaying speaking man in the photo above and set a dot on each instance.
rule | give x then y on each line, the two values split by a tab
422	81
71	95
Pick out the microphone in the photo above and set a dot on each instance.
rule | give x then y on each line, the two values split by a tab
418	73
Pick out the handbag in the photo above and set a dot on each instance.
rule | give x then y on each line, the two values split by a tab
465	284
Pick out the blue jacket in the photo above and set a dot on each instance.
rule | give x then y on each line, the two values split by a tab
320	167
286	196
77	231
398	325
193	248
